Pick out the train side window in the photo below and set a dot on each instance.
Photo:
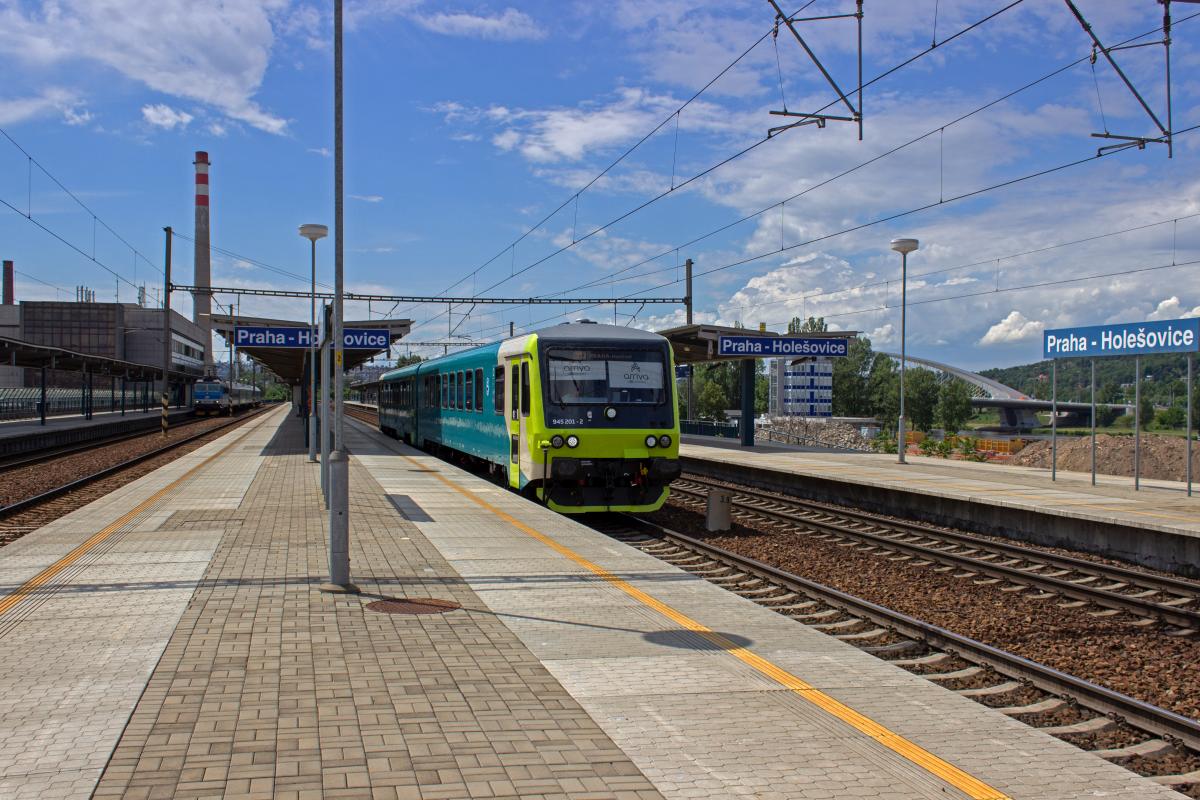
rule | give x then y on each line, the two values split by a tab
524	388
454	390
479	390
462	391
445	383
470	398
498	391
516	392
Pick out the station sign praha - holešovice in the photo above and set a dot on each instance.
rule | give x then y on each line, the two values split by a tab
1123	339
353	338
782	346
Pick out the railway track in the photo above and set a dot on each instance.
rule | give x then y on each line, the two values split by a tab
363	414
20	461
1151	740
29	513
1102	589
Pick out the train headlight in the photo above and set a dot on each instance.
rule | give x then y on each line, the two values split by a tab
572	441
664	441
610	413
651	441
556	441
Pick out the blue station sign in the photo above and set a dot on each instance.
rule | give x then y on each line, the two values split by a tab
781	346
353	338
1123	339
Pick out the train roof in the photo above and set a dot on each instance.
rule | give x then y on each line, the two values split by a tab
567	333
583	331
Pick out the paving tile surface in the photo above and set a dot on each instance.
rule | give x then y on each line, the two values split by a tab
270	688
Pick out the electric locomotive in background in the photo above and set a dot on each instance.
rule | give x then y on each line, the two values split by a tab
581	416
211	396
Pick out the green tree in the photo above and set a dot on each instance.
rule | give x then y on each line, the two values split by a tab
409	358
920	398
1146	409
710	403
1172	417
883	391
953	406
810	325
850	395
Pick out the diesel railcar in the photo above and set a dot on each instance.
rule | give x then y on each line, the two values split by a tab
580	416
211	396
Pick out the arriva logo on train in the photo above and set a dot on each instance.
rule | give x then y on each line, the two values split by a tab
1123	339
764	346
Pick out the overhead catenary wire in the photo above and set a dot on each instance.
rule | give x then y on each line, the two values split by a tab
253	261
612	277
1007	289
96	218
806	296
624	155
675	187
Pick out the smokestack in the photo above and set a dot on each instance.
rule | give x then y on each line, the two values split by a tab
8	284
201	300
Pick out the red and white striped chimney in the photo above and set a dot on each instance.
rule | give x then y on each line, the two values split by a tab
9	292
201	300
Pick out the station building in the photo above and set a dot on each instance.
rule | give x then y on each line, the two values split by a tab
801	387
122	331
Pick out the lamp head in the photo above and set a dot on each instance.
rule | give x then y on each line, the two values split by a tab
904	245
314	232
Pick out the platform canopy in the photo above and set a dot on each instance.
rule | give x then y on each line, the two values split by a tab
289	362
696	344
19	353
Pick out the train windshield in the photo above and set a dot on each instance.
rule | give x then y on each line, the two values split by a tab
607	377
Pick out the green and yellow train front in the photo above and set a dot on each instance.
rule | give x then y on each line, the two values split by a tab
591	417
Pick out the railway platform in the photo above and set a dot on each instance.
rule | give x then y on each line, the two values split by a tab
28	436
1158	526
171	640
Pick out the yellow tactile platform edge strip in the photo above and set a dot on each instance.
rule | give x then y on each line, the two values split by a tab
49	573
970	785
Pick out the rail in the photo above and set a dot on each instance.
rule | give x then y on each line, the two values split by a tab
975	554
1146	716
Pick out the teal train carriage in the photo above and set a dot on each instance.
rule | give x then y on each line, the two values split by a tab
581	416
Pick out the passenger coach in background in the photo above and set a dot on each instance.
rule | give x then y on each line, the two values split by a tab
581	416
211	397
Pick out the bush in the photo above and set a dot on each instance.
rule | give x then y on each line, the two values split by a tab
1173	417
928	447
883	444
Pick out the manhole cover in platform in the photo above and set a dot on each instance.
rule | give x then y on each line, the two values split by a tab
413	605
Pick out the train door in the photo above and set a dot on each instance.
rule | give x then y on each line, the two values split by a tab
517	408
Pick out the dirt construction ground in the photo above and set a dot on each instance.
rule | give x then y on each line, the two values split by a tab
1162	456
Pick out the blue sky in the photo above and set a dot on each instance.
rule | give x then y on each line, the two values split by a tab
467	123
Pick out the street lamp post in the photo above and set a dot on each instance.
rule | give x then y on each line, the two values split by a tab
339	463
903	247
313	232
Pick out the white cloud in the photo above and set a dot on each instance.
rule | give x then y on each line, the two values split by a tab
213	53
162	115
509	26
1171	308
367	198
325	152
217	129
1013	328
560	134
883	336
48	102
73	116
